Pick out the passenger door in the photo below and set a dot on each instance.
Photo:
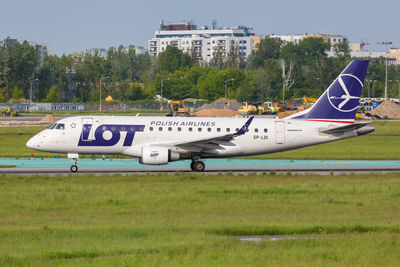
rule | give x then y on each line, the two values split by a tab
279	132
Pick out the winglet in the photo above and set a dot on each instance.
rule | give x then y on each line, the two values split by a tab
244	128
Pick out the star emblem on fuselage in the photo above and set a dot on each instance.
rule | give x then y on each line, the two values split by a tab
73	125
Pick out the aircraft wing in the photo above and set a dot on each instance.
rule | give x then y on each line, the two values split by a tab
213	142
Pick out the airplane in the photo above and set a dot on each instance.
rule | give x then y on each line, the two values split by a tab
160	140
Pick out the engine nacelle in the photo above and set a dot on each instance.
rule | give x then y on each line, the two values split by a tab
153	155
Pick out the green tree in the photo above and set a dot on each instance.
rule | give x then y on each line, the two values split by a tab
53	96
172	59
269	48
17	93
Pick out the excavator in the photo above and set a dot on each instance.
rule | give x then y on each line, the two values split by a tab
177	108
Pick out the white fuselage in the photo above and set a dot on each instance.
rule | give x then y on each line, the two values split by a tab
264	135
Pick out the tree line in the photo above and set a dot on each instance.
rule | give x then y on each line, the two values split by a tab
275	71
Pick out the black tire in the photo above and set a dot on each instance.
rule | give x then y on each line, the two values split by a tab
192	165
74	168
198	166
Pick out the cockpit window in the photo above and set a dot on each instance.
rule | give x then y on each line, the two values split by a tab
60	126
52	126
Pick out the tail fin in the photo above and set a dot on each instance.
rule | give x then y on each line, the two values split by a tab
340	101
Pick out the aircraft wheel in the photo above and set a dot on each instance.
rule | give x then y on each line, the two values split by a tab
192	165
74	168
198	166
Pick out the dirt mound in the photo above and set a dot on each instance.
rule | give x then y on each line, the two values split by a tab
388	109
286	113
222	103
213	112
49	119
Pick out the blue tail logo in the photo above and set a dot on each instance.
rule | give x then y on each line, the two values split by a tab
339	95
341	99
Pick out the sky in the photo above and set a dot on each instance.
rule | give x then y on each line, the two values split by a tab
77	25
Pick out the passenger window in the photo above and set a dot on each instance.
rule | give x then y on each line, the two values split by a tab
123	128
256	130
179	129
60	126
151	128
190	129
199	129
218	129
140	129
265	130
228	130
112	128
169	128
209	129
160	129
237	129
133	128
104	128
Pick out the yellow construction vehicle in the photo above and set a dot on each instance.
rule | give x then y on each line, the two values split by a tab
9	111
309	101
257	108
306	101
247	108
177	108
270	107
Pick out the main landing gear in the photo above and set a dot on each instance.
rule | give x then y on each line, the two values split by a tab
197	166
74	168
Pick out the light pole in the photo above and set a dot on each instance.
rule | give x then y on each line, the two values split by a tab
386	43
100	91
373	88
226	83
30	89
162	81
398	87
369	86
132	61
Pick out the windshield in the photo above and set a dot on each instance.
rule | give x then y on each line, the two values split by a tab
52	126
60	126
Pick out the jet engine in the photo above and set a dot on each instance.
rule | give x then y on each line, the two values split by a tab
153	155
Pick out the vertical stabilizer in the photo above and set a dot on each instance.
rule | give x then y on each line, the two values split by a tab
340	101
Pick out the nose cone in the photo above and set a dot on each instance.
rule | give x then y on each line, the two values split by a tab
32	142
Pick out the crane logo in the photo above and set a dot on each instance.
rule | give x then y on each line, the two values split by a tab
343	99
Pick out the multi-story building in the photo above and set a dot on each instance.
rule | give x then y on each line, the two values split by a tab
204	42
332	39
394	53
256	41
290	38
44	49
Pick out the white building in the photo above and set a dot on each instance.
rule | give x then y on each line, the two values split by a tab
289	38
204	42
44	49
332	39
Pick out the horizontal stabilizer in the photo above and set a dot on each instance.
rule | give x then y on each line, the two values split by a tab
360	128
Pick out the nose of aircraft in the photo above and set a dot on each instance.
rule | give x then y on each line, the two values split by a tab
32	142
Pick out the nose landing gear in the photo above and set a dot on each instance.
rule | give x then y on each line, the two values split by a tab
197	166
74	157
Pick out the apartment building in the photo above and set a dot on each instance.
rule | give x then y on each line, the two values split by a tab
205	42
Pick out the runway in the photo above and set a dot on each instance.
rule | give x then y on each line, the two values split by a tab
62	166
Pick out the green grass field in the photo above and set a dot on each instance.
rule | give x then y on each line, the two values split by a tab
189	219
